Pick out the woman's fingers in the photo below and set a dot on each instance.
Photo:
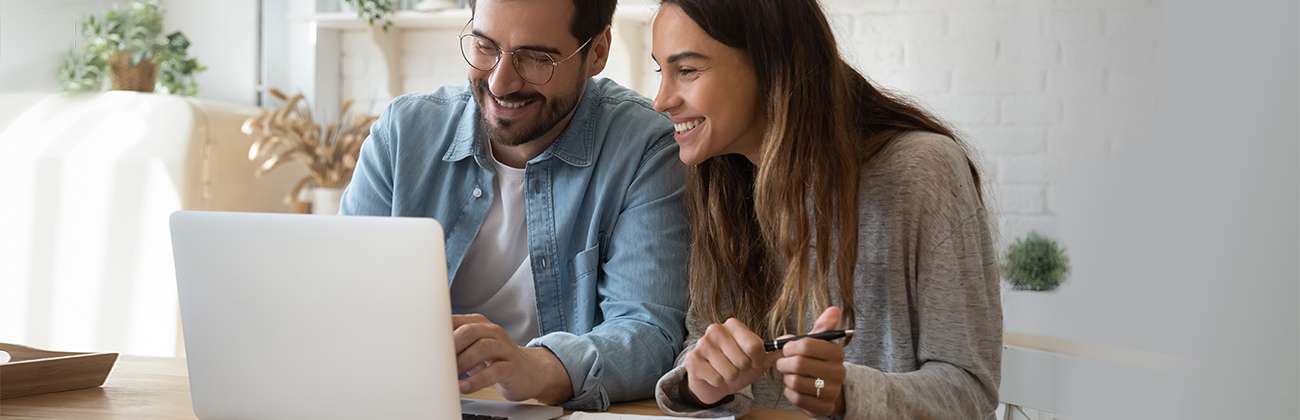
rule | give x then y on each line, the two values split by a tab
721	338
807	385
813	368
749	343
812	406
818	349
697	366
828	320
712	346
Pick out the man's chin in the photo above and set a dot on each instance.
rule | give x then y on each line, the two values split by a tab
503	136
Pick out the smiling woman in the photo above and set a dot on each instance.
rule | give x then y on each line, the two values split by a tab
816	196
714	117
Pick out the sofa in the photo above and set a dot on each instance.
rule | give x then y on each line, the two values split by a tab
85	250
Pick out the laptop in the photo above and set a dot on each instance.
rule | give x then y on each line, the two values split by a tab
321	317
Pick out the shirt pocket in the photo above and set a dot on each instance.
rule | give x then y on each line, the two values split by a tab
587	262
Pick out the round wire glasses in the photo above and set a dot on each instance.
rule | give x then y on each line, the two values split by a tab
536	67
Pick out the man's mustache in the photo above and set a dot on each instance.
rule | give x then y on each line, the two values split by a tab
514	97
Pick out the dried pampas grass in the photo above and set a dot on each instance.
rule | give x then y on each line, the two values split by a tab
289	133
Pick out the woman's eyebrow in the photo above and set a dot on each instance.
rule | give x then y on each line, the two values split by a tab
684	55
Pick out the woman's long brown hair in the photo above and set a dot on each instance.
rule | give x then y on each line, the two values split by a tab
754	228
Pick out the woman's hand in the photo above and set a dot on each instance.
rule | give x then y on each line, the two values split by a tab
806	361
725	360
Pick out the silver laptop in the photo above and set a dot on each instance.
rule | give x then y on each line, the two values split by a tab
323	317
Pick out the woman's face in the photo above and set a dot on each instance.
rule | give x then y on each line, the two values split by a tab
709	89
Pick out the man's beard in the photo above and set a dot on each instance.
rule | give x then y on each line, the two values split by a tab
514	133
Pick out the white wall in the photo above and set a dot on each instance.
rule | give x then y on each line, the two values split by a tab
34	36
1210	248
1158	141
224	37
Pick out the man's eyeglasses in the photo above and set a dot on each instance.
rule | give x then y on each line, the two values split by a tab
536	67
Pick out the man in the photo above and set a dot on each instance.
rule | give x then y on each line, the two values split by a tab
561	198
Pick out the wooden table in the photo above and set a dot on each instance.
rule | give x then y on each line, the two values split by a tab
153	388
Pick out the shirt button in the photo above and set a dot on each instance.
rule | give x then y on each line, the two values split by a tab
478	192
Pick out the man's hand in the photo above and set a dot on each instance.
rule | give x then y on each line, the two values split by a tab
487	354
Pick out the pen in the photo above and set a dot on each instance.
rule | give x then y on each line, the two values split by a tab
773	345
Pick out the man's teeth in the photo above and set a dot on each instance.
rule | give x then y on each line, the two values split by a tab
510	105
687	126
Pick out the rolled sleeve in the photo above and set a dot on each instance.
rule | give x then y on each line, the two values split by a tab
581	360
668	394
642	292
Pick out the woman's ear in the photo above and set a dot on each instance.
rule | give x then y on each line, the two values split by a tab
599	55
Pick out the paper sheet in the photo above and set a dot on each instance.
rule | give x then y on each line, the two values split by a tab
614	416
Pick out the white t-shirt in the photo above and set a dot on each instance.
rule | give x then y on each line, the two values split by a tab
496	277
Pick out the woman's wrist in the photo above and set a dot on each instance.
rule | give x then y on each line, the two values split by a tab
691	398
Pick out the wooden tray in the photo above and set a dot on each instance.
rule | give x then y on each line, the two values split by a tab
34	371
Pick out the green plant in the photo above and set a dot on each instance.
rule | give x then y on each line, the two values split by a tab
137	32
1035	263
82	71
374	10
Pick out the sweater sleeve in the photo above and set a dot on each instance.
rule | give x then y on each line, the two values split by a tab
669	391
955	301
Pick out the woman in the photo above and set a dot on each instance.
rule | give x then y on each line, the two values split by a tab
816	197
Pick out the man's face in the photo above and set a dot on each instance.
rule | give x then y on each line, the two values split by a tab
514	110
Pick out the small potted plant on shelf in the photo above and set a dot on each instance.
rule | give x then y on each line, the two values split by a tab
129	47
374	11
1035	263
329	152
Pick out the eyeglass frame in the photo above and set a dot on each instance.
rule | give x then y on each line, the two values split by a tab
500	52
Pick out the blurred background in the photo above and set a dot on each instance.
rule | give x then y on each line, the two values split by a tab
1155	144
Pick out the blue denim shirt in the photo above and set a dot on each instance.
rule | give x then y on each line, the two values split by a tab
607	225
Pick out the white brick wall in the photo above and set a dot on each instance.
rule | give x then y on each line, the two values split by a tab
1034	86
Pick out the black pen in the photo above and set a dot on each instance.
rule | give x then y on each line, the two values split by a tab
770	346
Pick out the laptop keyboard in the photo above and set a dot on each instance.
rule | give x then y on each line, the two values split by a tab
480	417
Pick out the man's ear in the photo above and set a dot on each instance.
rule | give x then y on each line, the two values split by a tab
599	53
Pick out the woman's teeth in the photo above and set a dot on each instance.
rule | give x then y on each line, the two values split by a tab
687	126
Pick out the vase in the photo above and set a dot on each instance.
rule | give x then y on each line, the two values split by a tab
325	201
1031	312
139	78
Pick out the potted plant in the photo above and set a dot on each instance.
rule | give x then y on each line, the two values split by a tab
374	11
128	46
330	152
1035	263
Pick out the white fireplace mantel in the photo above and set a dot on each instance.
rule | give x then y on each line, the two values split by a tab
629	58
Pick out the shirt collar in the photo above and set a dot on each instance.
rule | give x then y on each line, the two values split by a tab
575	146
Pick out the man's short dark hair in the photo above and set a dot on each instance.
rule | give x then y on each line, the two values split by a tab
590	17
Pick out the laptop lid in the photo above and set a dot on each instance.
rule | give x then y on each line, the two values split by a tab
291	316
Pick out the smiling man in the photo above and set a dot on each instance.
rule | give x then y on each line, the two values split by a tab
561	198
